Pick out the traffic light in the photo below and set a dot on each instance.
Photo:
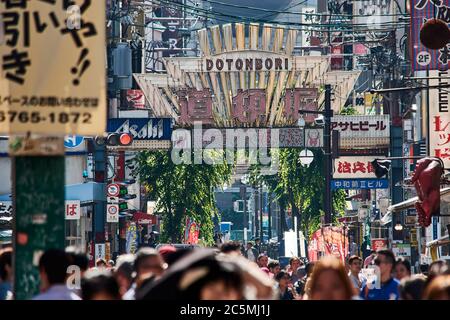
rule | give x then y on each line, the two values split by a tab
124	196
115	140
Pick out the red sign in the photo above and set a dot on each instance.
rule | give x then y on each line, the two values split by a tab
378	244
136	99
328	241
144	218
120	166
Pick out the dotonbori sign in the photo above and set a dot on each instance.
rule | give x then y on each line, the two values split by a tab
247	61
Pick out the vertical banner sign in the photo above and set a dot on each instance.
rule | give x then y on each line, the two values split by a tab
423	58
439	117
132	238
171	34
52	69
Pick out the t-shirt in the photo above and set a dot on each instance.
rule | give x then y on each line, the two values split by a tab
387	291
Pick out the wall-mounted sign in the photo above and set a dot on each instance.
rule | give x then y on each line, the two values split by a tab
359	184
362	131
142	128
379	244
112	213
73	210
401	249
353	168
135	99
73	141
247	60
439	115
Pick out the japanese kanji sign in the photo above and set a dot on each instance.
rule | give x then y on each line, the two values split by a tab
52	68
358	184
353	168
362	131
73	210
423	58
439	115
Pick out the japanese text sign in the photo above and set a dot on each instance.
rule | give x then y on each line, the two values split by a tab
423	58
362	131
353	168
52	68
357	184
439	115
73	210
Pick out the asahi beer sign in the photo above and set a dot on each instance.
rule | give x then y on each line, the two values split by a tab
247	61
142	128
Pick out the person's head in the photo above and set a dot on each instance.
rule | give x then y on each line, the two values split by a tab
282	278
148	260
6	265
219	281
231	247
249	245
99	285
166	251
301	272
402	268
100	263
262	261
294	262
257	241
78	258
329	281
124	272
355	264
111	263
385	260
53	266
438	289
411	288
309	268
274	267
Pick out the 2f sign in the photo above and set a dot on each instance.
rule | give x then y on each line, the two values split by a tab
423	58
73	210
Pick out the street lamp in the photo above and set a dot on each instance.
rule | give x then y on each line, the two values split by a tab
306	157
398	227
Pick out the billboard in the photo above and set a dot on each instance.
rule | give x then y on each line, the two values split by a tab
353	168
423	58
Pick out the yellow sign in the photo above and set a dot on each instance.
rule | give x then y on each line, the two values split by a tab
53	70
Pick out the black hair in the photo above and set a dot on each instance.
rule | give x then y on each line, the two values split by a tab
230	246
388	254
354	257
5	260
173	257
143	254
280	275
309	267
404	262
78	258
218	271
273	264
54	264
95	282
412	288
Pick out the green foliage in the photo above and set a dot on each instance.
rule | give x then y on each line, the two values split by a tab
182	190
301	188
349	111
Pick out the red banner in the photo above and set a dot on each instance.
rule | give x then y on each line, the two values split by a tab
192	231
378	244
328	241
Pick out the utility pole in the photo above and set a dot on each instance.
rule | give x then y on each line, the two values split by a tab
328	156
261	204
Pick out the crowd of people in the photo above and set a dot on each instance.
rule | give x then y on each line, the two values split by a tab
227	273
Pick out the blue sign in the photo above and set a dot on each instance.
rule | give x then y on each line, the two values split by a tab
359	184
73	141
435	227
142	128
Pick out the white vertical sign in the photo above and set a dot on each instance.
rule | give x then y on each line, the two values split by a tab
308	16
73	210
100	249
112	213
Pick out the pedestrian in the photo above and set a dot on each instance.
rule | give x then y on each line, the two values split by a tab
438	289
101	263
329	281
258	245
111	264
357	279
148	263
53	266
262	260
402	269
251	253
231	247
124	272
6	274
284	286
411	288
387	287
300	285
294	264
369	260
99	285
274	267
78	258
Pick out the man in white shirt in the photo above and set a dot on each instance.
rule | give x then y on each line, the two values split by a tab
53	266
355	275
